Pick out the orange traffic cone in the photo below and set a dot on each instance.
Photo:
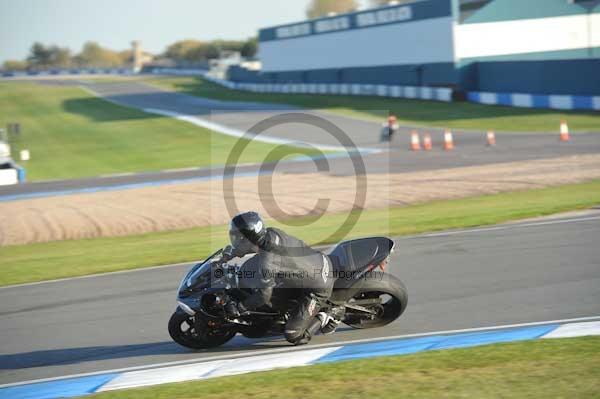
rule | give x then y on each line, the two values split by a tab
415	141
491	138
564	131
448	140
427	142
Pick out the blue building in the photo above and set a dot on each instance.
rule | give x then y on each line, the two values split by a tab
480	49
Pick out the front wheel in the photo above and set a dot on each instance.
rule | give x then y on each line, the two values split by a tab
195	333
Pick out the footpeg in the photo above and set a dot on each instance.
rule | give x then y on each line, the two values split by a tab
328	323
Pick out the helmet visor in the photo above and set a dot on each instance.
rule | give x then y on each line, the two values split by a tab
239	242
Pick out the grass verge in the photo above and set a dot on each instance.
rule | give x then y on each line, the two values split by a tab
71	133
557	368
45	261
459	115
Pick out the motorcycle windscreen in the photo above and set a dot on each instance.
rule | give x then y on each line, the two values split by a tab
199	277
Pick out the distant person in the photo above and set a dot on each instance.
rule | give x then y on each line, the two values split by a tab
389	129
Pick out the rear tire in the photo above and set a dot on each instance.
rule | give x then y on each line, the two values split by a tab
193	332
394	301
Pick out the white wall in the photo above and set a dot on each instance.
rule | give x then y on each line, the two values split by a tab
422	41
594	21
527	36
8	176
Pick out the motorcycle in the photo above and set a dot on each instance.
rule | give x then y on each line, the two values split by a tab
367	296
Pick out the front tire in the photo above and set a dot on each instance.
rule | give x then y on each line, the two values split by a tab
193	331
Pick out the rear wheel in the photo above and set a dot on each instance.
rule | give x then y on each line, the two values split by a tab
386	306
194	331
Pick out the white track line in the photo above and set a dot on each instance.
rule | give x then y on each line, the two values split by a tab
219	368
217	127
431	235
228	131
575	330
506	227
308	347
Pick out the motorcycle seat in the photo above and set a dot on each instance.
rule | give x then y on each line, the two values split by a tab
355	255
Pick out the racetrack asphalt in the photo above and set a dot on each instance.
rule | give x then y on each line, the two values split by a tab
516	273
470	148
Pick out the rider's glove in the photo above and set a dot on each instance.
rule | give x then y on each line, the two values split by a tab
228	253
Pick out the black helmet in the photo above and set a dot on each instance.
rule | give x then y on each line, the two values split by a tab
247	226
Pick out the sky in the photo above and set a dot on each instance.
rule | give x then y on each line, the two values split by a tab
115	23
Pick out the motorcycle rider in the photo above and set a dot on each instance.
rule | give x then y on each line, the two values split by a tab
283	262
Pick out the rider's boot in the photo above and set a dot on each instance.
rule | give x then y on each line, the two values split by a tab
312	329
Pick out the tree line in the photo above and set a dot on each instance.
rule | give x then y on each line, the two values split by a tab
93	55
52	56
197	51
322	8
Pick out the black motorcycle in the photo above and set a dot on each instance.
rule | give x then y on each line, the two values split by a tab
367	296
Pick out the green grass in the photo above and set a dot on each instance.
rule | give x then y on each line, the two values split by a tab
553	368
44	261
71	133
459	115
